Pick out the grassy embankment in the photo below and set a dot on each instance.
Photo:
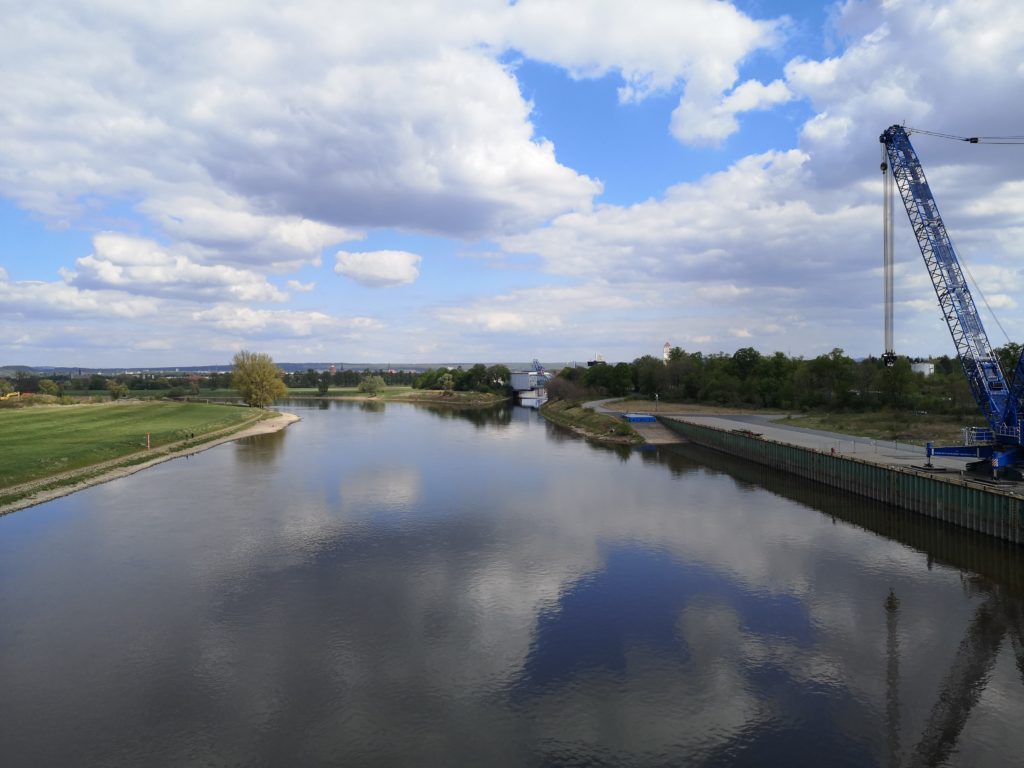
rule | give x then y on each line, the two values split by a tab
66	443
599	426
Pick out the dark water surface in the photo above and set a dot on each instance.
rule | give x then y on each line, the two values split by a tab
401	586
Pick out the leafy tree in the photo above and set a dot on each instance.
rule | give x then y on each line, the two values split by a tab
651	376
5	386
745	362
371	385
257	379
427	379
49	387
499	377
323	384
117	389
475	379
1008	355
446	382
896	383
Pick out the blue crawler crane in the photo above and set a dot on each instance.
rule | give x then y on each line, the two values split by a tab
999	444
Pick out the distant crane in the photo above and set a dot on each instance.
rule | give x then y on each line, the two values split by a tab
1000	401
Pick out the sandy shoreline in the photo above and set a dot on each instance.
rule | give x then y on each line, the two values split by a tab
263	427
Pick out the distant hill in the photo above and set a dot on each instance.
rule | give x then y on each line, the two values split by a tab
10	371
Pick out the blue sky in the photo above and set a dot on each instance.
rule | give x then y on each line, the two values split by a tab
438	181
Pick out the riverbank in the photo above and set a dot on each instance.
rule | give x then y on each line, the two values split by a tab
39	491
589	423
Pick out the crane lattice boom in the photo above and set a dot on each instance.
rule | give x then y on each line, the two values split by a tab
1000	405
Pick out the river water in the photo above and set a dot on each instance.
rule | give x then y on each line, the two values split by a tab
404	586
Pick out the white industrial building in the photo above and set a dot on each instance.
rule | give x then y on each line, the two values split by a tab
926	368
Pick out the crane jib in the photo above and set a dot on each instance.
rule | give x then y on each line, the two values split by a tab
998	399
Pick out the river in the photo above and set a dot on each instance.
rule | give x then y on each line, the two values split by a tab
396	585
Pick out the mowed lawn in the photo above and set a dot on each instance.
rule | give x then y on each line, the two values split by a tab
41	441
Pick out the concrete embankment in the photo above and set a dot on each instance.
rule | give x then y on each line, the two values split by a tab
881	471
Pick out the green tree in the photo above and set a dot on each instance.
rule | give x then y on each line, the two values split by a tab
446	382
896	383
257	379
371	385
499	377
1009	354
49	387
651	376
323	383
745	362
117	389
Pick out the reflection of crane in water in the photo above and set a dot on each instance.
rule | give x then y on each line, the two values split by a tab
964	682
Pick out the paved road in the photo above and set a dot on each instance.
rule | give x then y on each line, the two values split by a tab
885	452
876	451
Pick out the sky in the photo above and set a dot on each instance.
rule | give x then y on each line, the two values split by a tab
489	181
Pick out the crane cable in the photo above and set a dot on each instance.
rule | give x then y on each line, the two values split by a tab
970	139
967	269
977	287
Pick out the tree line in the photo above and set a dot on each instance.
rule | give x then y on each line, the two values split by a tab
832	381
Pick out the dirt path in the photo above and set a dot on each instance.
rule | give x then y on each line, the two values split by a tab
64	483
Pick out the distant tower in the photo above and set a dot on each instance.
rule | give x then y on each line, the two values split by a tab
665	352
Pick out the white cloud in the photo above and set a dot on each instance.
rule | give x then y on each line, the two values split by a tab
224	228
287	127
265	323
697	121
378	269
536	310
32	300
140	266
653	47
719	229
300	287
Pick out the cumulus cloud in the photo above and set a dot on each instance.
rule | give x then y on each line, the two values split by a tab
266	323
256	140
33	300
224	228
791	240
700	42
720	228
299	122
378	269
698	120
139	266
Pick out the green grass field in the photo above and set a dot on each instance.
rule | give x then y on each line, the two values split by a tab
39	442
